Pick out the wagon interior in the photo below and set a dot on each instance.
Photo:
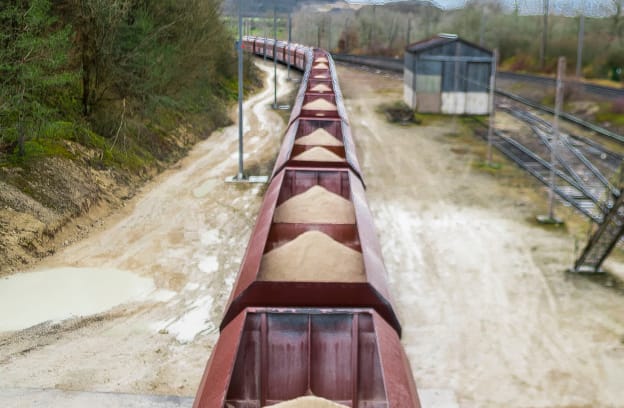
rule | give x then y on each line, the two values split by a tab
319	85
285	355
337	233
309	128
319	105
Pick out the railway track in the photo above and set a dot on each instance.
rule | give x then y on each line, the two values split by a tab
583	168
566	116
597	90
396	65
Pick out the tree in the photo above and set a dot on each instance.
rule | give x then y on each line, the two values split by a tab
33	54
97	23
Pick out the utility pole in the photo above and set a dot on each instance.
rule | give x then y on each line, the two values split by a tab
482	27
544	35
579	50
492	107
318	35
371	29
554	142
240	175
289	39
265	37
347	35
274	55
329	34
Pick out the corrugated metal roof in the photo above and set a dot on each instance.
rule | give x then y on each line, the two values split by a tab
438	40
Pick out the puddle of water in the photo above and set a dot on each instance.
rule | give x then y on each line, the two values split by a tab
28	299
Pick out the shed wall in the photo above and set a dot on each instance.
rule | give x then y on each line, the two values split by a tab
451	78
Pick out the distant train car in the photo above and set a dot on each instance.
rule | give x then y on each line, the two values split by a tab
248	43
269	43
327	141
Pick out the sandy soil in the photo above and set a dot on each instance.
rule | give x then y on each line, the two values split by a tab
486	307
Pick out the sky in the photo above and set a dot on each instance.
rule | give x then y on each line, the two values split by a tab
597	8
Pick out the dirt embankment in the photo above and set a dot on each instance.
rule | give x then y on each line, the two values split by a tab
47	203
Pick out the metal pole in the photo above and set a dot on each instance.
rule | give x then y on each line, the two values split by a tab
579	50
456	79
240	91
561	63
482	27
318	35
329	34
274	56
347	29
492	107
544	35
409	30
289	37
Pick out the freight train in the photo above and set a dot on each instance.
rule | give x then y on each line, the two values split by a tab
310	321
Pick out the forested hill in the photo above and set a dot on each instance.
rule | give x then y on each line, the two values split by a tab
98	93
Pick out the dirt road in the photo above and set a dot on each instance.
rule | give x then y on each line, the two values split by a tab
187	231
487	311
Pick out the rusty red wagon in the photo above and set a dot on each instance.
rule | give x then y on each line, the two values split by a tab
266	356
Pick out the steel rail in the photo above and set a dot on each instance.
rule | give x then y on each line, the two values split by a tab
566	116
530	119
535	173
597	173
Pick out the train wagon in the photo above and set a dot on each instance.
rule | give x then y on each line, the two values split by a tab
310	318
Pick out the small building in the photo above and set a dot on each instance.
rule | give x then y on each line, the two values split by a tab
446	74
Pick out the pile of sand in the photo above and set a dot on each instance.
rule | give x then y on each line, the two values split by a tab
321	88
320	104
316	205
318	154
312	257
321	65
320	137
307	402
